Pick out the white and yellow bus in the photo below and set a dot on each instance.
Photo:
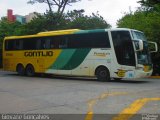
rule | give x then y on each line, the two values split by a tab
103	53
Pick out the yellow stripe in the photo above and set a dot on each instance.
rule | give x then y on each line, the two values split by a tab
155	77
127	113
49	33
92	102
89	116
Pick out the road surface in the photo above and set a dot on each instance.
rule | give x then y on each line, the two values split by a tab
87	99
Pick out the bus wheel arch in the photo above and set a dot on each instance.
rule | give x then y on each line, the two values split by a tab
102	73
20	69
29	70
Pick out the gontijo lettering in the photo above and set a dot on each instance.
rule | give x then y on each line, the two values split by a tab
38	53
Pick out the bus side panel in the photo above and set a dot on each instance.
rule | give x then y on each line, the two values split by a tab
38	58
81	62
68	60
101	57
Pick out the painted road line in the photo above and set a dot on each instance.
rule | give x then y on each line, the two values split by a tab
92	102
128	112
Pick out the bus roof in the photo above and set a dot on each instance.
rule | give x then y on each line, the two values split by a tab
47	33
64	32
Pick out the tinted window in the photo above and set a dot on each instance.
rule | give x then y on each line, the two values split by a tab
9	45
123	47
85	40
30	43
89	40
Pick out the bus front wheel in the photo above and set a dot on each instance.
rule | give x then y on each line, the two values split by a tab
30	70
102	74
20	69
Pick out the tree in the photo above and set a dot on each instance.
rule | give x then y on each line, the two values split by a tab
8	29
72	19
60	4
79	20
150	5
45	22
140	20
148	22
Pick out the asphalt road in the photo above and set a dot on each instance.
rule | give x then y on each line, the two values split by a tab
87	97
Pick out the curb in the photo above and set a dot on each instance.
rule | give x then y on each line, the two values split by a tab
158	77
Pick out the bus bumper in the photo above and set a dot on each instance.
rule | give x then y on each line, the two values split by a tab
143	74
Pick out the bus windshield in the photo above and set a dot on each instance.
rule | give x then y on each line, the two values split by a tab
144	55
138	35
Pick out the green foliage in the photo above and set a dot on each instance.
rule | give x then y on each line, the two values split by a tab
9	29
59	4
47	22
73	19
52	21
146	21
79	20
150	5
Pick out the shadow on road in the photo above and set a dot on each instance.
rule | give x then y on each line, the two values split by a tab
133	81
50	76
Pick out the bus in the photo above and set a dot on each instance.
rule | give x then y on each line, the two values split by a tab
0	58
106	54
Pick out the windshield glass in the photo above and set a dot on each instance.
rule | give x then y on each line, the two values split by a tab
144	55
138	35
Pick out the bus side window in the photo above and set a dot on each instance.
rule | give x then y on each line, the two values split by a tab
43	45
18	44
9	45
63	42
6	45
47	43
72	42
30	43
52	44
38	44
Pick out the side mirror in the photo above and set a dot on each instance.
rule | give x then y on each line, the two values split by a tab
152	47
138	44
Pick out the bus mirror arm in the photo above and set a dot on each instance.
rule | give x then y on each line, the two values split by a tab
155	46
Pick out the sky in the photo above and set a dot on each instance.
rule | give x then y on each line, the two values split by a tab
110	10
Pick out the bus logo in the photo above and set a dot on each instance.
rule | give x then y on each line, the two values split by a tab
38	53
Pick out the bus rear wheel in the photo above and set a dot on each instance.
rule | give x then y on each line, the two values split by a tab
30	71
102	74
20	69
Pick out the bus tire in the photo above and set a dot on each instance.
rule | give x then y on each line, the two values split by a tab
30	70
103	74
20	69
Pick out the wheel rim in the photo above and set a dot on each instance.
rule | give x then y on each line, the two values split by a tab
103	73
20	70
30	71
